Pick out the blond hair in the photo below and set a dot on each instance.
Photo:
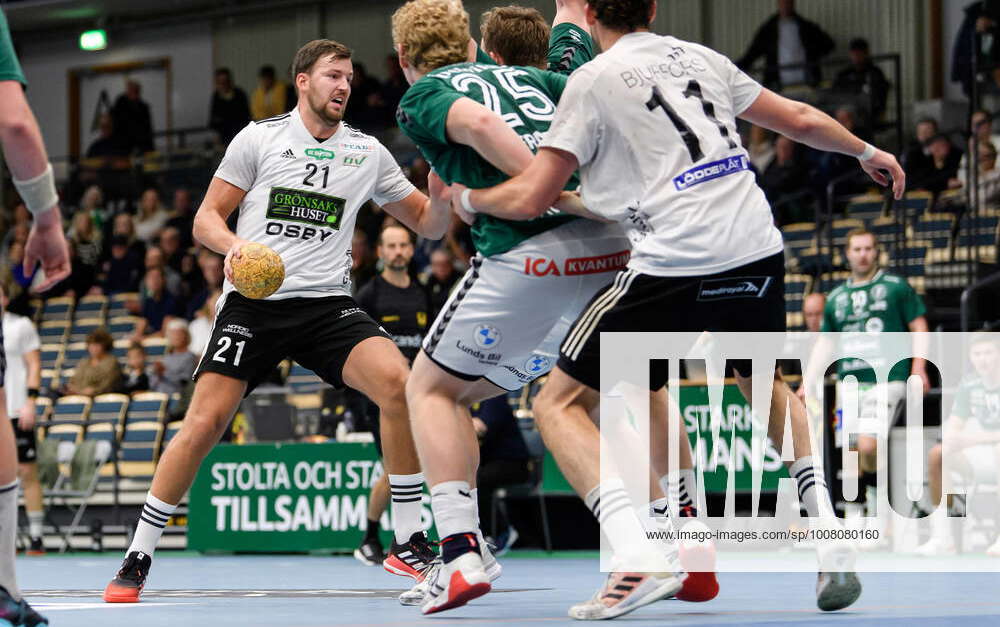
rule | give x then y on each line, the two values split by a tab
518	34
433	33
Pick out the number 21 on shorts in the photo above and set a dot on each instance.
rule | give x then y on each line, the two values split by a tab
224	345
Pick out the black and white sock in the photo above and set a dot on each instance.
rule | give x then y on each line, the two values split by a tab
152	520
406	496
812	488
682	486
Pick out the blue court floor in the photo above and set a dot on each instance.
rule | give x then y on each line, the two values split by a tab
187	590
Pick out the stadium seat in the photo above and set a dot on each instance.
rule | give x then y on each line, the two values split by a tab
49	375
841	228
120	350
978	231
54	331
58	309
123	327
867	208
43	406
796	286
139	447
914	205
109	409
82	327
51	356
118	304
35	310
981	254
146	406
73	353
95	306
101	431
887	230
935	228
169	432
913	258
302	380
156	347
828	281
73	409
799	235
64	433
814	261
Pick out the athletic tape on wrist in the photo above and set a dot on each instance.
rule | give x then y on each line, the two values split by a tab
868	153
39	193
466	202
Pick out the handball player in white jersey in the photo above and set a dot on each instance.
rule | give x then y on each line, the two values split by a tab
298	180
651	125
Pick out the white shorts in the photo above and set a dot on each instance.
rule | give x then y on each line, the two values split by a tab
508	315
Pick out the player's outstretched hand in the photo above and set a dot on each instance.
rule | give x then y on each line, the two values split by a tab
233	253
884	161
456	204
47	245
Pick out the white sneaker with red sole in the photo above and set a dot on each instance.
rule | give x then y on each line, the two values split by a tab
456	583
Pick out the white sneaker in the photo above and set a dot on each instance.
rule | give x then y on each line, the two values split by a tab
994	550
490	563
936	546
456	583
874	535
625	592
837	585
417	594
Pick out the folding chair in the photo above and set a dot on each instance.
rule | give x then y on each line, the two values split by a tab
74	490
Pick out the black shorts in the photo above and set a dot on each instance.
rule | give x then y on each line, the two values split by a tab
251	337
27	446
641	302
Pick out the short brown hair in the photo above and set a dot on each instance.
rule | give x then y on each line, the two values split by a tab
309	54
518	34
858	232
433	33
102	337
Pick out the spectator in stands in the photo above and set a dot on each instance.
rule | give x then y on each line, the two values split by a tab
362	260
124	225
155	259
980	18
443	277
98	372
211	266
108	145
170	243
270	98
980	126
393	88
121	273
81	279
200	328
174	371
419	170
132	122
917	162
86	238
158	305
944	165
230	110
812	311
840	168
760	146
367	109
137	375
988	177
787	38
504	460
151	215
14	267
19	228
864	77
182	216
785	181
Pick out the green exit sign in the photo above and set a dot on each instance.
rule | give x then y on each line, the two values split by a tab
94	40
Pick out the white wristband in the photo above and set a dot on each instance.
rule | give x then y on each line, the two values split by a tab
466	203
39	194
868	153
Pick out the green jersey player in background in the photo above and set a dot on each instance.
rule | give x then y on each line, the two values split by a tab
478	124
29	166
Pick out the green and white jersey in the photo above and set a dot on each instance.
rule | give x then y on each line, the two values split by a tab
10	69
303	195
978	400
884	303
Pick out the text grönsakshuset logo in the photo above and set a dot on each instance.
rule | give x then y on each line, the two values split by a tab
306	207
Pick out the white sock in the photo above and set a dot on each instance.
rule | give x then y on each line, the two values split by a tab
871	500
941	525
812	488
479	523
8	536
406	497
154	517
612	507
681	487
454	508
35	520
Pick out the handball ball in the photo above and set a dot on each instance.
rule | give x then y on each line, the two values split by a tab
258	272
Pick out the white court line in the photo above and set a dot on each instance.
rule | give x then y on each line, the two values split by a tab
59	607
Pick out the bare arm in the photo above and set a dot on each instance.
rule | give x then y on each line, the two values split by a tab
478	127
918	326
32	366
25	155
210	228
572	12
428	216
808	125
531	193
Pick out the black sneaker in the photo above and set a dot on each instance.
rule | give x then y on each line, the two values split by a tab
411	559
37	547
370	553
127	586
19	613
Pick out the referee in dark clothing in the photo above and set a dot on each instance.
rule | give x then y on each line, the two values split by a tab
398	302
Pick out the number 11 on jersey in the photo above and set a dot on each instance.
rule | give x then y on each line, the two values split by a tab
690	138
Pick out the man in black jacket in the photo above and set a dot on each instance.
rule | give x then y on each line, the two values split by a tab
787	38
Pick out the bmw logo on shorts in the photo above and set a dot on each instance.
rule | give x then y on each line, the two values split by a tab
487	336
537	364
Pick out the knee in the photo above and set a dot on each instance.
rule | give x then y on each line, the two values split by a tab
934	456
201	430
867	447
393	392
